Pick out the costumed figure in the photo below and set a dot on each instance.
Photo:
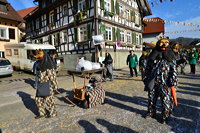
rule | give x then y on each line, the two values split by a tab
161	79
47	83
143	63
95	94
108	71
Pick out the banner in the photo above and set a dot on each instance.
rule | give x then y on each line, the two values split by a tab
98	40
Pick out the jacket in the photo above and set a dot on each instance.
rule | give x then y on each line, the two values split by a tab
132	60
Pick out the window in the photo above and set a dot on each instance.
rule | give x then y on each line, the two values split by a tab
37	23
65	10
3	8
83	33
122	35
64	36
128	37
127	14
16	52
11	33
3	33
108	33
137	19
43	20
8	52
81	5
120	10
43	4
51	17
107	5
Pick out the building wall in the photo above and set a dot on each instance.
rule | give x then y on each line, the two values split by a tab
9	24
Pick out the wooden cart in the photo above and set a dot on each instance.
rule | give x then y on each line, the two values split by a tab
80	92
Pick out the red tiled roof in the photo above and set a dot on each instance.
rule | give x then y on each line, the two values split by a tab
153	25
24	12
11	14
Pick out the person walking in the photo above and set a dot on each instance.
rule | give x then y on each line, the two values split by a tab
192	57
108	71
143	63
132	61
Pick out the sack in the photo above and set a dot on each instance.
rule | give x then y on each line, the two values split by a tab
43	89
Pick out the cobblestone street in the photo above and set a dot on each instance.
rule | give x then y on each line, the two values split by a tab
123	111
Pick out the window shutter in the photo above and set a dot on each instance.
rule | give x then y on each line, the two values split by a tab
58	39
11	33
47	18
87	4
140	37
75	34
112	6
102	29
89	32
50	39
117	7
113	34
133	16
55	15
40	22
118	34
133	38
102	4
75	5
140	20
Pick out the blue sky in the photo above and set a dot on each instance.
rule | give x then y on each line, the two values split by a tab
178	10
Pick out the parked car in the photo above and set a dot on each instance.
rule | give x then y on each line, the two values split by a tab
5	67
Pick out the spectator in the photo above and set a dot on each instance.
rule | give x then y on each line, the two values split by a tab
108	71
192	57
132	61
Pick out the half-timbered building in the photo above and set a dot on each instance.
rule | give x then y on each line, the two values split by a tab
70	24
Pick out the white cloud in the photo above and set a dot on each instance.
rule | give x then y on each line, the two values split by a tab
175	27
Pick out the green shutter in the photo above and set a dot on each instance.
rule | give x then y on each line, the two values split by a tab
89	32
118	34
102	4
102	29
113	34
117	7
133	17
87	4
133	38
140	21
112	7
75	35
140	37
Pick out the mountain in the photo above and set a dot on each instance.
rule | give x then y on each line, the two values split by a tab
186	41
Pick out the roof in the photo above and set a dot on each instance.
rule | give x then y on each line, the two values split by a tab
153	25
11	14
24	12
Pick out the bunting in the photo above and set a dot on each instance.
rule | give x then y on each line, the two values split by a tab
157	2
172	22
182	31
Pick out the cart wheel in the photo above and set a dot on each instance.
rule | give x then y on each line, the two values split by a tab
86	104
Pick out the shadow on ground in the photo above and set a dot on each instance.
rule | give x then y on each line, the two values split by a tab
28	102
